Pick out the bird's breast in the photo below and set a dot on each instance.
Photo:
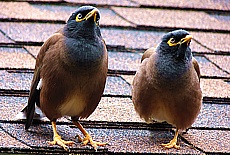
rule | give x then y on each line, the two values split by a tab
73	106
84	53
169	70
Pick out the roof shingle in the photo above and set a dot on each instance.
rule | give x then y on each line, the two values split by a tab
129	28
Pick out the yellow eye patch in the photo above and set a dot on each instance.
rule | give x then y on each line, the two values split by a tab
90	14
172	42
79	18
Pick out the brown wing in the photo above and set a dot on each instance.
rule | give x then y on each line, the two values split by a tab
143	87
196	67
34	92
148	53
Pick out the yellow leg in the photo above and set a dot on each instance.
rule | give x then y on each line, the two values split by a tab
173	142
57	138
88	138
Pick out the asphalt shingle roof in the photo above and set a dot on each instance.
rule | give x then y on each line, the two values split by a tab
129	27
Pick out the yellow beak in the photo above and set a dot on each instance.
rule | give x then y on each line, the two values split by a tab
187	39
90	14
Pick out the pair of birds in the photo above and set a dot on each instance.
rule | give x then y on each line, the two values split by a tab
71	70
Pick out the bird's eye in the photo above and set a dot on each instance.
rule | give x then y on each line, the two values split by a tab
79	16
172	40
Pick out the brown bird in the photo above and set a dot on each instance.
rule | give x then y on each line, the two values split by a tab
70	74
166	86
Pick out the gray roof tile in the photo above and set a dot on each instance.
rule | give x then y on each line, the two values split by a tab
214	41
128	78
172	18
15	81
4	39
207	68
29	32
214	88
124	61
213	116
211	141
194	4
27	11
102	2
115	110
120	140
9	141
221	60
10	106
15	58
116	86
24	10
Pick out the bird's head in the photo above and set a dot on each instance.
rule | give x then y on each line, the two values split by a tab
83	19
177	43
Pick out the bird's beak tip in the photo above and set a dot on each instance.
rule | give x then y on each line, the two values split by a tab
92	13
189	37
186	39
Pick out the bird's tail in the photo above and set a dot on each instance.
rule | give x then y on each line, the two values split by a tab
30	108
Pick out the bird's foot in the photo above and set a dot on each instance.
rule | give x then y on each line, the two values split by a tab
88	139
58	141
171	144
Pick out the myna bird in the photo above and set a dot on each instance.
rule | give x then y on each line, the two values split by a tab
166	86
70	73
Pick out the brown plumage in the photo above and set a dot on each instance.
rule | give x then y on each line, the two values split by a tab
70	73
148	53
166	86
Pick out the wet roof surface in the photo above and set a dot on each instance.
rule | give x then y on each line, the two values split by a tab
129	28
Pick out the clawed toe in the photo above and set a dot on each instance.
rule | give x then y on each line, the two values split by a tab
88	139
58	141
171	145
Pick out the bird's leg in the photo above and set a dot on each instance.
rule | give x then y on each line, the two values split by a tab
57	138
173	142
186	131
88	138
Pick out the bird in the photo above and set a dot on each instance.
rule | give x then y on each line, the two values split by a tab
70	74
166	86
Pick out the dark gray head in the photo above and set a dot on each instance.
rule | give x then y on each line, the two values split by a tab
83	21
177	44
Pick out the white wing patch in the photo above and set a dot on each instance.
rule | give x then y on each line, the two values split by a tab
39	86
